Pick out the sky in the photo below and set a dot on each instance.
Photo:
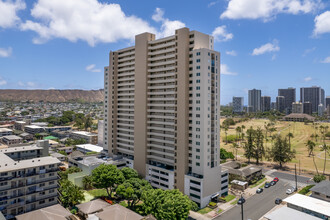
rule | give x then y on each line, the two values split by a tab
264	44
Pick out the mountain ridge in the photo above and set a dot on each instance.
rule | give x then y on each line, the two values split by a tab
51	95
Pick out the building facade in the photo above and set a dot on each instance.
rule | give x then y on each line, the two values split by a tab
254	100
307	108
238	104
162	111
315	95
280	104
289	95
28	179
297	107
90	138
265	103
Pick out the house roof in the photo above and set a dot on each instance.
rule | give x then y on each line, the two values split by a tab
118	212
289	213
92	206
55	212
299	116
306	202
322	188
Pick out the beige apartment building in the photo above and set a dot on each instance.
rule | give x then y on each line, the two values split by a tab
162	112
28	179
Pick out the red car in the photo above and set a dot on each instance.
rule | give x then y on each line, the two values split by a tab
275	179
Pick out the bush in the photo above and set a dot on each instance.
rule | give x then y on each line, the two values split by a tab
305	190
225	154
319	178
212	204
73	211
231	138
229	121
244	164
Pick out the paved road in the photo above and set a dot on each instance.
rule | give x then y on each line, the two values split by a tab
290	178
257	205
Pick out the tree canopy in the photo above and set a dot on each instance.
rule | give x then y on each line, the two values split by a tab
281	152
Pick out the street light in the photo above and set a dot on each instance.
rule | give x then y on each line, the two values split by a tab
242	201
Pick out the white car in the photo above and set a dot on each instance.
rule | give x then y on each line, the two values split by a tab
290	190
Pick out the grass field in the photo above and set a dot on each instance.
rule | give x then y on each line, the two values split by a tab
301	134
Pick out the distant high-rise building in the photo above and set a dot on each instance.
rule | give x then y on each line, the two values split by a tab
327	101
320	110
315	95
238	104
265	103
297	107
280	103
289	95
307	108
254	100
273	106
162	112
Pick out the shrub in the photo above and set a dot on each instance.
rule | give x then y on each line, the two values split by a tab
73	211
231	138
244	164
305	190
319	178
225	154
229	121
212	204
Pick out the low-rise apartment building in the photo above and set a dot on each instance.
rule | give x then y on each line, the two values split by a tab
91	138
33	129
19	125
5	132
28	179
12	140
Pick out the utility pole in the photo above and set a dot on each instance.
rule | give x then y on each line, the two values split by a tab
295	175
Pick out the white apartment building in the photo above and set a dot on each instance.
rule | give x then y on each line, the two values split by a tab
5	132
28	179
162	112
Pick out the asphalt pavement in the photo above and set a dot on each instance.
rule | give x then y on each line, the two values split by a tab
302	181
257	205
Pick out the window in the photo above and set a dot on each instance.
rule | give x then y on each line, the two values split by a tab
198	88
195	189
198	157
198	150
195	182
198	81
198	74
198	53
198	108
198	164
195	196
198	60
198	94
198	67
198	115
198	101
198	143
198	122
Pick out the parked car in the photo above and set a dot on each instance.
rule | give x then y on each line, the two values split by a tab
272	183
260	190
278	201
267	185
275	179
290	190
241	201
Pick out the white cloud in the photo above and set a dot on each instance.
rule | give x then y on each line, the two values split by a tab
322	23
6	52
8	12
224	69
21	84
31	84
307	79
220	34
86	20
231	53
326	60
168	27
274	57
91	68
268	9
266	48
212	3
2	81
28	85
307	51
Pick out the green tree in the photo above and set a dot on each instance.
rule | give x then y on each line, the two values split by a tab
235	148
88	122
259	150
87	182
226	127
225	154
129	173
132	190
167	204
290	135
249	146
64	174
280	152
310	148
107	177
325	148
70	194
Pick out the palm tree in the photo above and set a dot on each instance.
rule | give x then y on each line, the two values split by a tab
310	147
290	135
235	148
226	129
238	131
325	148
